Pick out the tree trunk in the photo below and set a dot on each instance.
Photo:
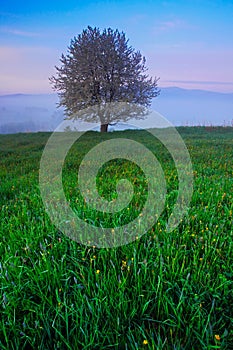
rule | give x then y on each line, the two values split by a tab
104	128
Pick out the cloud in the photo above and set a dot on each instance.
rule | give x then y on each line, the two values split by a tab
201	82
19	32
5	14
173	24
170	25
137	19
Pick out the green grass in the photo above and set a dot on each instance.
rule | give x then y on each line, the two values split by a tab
173	290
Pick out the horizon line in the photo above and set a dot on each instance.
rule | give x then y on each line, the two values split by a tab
160	88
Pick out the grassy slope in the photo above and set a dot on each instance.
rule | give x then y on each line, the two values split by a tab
172	290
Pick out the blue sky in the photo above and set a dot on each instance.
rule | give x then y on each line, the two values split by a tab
186	43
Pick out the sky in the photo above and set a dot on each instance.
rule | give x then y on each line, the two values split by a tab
187	44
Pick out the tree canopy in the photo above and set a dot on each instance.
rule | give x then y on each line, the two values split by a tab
101	68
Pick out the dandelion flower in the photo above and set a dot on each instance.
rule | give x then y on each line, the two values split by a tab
145	342
97	271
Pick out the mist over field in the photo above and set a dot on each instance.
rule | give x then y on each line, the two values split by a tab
29	113
32	113
195	107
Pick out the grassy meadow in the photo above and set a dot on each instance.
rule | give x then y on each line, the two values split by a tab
162	291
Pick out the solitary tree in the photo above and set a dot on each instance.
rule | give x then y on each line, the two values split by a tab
99	69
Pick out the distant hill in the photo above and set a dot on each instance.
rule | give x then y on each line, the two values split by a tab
22	112
176	91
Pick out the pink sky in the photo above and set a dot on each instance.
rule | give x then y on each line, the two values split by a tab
187	44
